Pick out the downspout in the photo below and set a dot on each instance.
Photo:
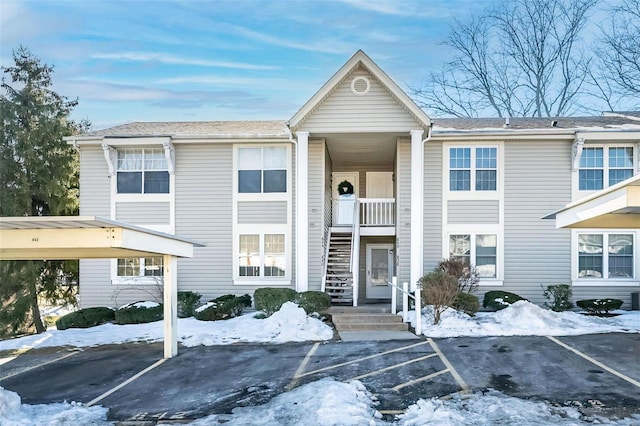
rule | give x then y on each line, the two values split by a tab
425	140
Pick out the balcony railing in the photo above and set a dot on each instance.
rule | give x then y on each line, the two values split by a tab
373	211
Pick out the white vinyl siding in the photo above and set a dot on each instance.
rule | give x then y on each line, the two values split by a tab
343	111
316	212
403	211
433	202
473	211
144	213
262	212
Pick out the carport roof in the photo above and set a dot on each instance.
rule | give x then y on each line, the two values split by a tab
615	207
84	237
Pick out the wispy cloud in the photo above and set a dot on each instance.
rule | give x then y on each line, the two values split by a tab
399	8
178	60
321	46
222	81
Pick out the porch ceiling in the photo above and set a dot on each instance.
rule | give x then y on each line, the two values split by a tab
361	150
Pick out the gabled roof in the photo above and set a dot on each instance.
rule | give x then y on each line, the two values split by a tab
360	59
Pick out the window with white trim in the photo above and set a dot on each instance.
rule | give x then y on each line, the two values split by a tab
142	171
262	170
140	267
480	250
261	255
601	167
473	169
605	255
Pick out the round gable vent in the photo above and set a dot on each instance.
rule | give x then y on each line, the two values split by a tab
360	86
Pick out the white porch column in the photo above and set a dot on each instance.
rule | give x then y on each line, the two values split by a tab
170	265
302	212
417	195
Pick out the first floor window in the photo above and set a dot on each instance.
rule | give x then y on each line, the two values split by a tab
262	255
606	255
476	249
140	267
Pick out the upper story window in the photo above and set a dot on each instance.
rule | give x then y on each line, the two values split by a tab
601	167
262	170
142	171
473	169
605	255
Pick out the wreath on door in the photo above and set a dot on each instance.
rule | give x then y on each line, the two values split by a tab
345	188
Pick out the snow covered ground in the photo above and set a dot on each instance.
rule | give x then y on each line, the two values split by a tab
524	319
328	402
289	324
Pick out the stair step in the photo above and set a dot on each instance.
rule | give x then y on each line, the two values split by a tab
401	326
337	289
366	318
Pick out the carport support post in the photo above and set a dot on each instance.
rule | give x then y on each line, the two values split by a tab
170	306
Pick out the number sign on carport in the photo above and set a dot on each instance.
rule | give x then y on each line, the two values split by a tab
90	237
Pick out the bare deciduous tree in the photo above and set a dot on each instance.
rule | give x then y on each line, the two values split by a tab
620	53
523	58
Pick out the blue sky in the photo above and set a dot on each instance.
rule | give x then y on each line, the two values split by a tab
219	60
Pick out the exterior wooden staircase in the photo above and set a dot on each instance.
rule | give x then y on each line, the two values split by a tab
338	277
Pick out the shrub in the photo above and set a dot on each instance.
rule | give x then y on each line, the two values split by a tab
467	276
467	303
223	307
440	290
313	301
85	318
270	300
560	297
188	301
135	313
600	306
498	299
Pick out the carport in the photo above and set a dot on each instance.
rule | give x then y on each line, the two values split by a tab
90	237
615	207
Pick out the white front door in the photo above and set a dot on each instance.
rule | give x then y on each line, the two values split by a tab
343	205
379	270
379	184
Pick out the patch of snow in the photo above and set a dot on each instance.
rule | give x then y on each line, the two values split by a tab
523	318
205	306
57	311
495	408
14	413
140	305
290	324
324	402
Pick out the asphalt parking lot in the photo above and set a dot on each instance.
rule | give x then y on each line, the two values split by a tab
596	372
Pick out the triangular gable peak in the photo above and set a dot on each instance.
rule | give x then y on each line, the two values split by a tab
360	97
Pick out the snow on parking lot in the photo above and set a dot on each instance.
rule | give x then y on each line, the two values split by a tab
524	319
289	324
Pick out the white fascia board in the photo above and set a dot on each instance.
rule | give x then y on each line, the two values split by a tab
132	141
142	241
611	135
479	135
605	204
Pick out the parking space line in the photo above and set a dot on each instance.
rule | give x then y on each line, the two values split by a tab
391	367
42	364
419	379
126	382
449	366
331	367
595	362
302	366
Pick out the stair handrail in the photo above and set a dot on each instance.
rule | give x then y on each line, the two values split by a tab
417	297
323	285
354	266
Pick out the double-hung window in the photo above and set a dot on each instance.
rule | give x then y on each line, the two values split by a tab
601	167
262	170
606	255
262	255
476	249
473	169
142	171
140	267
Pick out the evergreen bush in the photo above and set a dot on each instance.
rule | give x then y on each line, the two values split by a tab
133	314
560	297
467	303
498	299
600	306
223	307
270	300
85	318
188	301
313	301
